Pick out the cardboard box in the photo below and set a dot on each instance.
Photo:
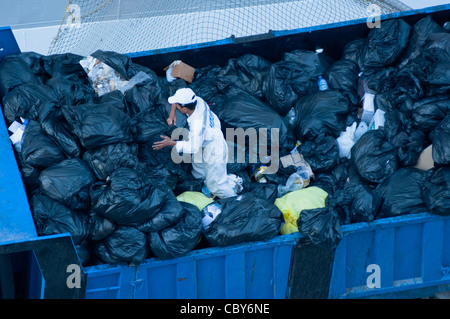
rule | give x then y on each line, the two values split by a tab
377	120
368	109
296	159
425	161
181	70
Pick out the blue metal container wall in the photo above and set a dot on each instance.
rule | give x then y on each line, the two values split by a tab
412	253
250	270
13	226
110	282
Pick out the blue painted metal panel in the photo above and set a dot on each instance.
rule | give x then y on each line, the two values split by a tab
410	251
8	43
249	270
110	282
16	222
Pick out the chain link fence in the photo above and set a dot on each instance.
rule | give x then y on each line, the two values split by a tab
139	25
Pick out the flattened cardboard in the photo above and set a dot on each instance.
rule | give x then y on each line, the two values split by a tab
296	159
425	161
182	71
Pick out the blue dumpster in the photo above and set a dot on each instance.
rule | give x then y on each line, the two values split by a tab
410	253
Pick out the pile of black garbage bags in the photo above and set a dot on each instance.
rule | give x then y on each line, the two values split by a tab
89	168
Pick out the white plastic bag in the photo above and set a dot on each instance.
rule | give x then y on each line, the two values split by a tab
169	76
235	182
349	137
104	78
210	213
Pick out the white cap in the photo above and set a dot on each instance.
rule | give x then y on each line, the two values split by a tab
183	96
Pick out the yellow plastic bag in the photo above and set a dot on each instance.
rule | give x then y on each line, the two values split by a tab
294	202
195	198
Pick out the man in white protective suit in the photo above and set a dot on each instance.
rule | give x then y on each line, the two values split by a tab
206	142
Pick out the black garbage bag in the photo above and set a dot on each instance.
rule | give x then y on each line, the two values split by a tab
323	112
441	143
180	238
312	62
343	75
322	154
356	202
152	124
434	63
26	100
98	125
99	227
410	146
104	160
170	176
14	72
404	86
244	218
38	150
33	60
395	122
161	159
285	83
242	110
29	174
115	97
374	157
56	127
352	50
375	80
123	64
238	157
334	180
420	32
267	191
428	112
125	246
436	191
205	82
385	45
52	217
409	142
142	97
321	226
171	211
189	184
246	72
128	197
64	65
68	182
71	91
401	193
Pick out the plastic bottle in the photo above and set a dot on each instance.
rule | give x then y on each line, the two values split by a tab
323	85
